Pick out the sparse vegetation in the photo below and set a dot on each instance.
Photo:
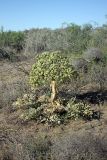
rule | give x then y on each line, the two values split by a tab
93	54
41	110
62	114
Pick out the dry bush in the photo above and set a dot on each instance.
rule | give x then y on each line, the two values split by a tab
94	79
69	145
79	146
98	74
93	54
13	81
9	92
15	146
80	64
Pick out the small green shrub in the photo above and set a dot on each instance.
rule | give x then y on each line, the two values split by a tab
27	101
78	110
55	114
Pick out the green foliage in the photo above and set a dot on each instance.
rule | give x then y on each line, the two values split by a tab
12	39
78	110
51	66
28	101
73	38
78	37
42	111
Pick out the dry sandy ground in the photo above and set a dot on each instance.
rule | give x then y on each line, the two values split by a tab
77	140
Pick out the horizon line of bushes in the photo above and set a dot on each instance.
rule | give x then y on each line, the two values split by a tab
73	38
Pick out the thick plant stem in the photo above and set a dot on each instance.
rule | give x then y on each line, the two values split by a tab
54	91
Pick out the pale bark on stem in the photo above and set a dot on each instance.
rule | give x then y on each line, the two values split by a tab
54	91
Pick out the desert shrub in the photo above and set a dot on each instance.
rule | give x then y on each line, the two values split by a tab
66	145
93	73
36	41
78	37
93	80
13	82
78	109
51	66
80	64
44	111
80	145
40	40
4	54
71	38
10	91
12	40
99	38
39	109
37	148
93	54
98	75
24	146
28	99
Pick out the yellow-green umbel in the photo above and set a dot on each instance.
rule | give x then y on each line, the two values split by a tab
51	68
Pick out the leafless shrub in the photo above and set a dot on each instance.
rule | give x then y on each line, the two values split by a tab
79	146
93	54
13	81
98	75
80	64
9	92
15	146
40	40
